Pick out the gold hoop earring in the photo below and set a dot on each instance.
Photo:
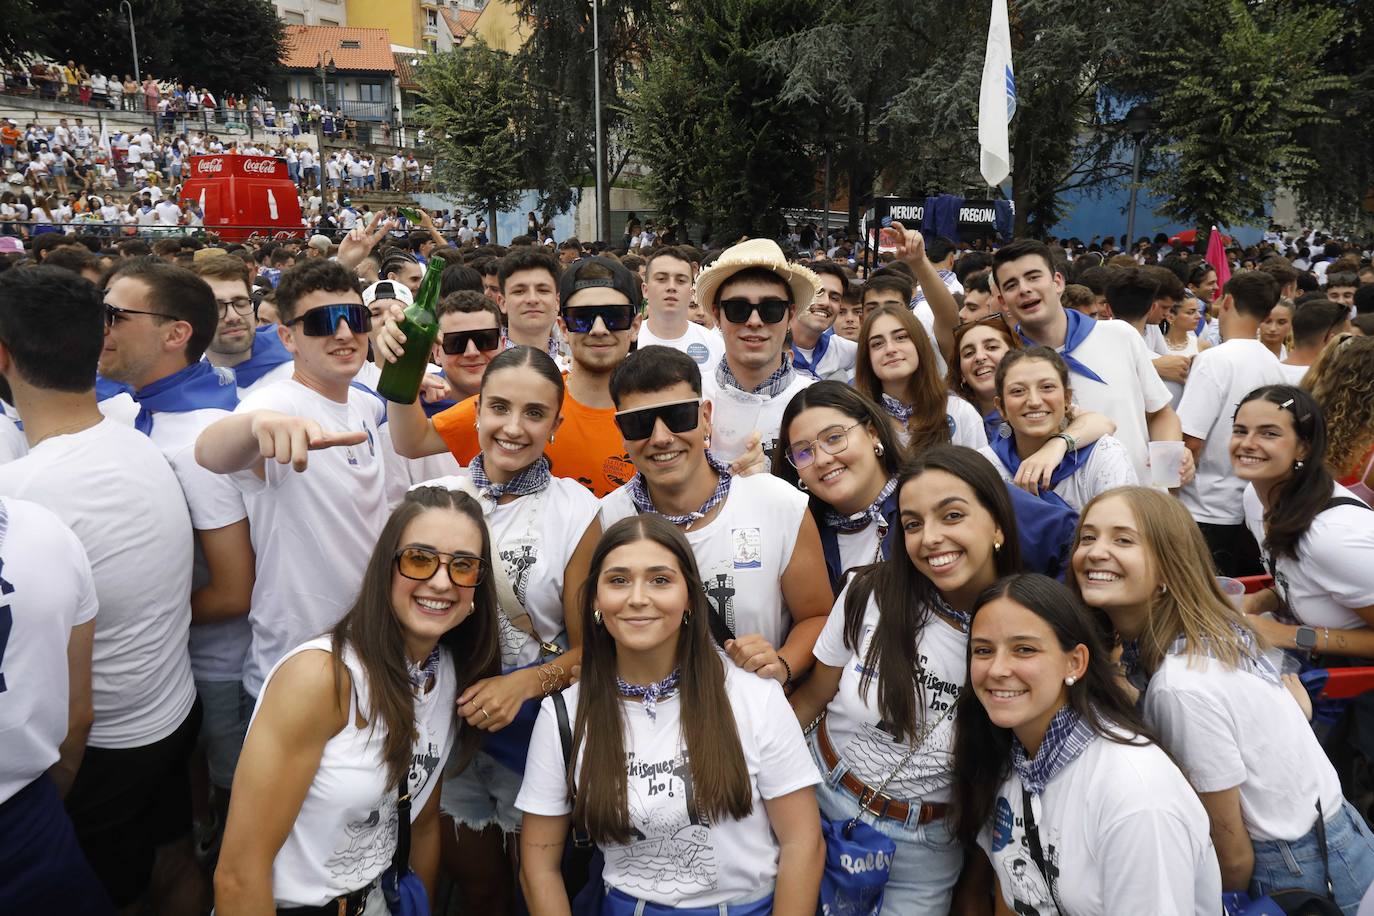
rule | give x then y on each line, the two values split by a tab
596	615
878	449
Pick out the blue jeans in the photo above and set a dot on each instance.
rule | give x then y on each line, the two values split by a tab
928	859
619	903
1281	864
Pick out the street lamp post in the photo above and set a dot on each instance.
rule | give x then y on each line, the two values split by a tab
1139	120
133	38
596	102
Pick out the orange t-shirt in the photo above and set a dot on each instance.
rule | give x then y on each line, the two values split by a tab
587	447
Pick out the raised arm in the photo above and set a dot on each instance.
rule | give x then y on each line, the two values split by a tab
242	441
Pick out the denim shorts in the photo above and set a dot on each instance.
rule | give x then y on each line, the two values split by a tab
1282	864
482	795
928	859
227	709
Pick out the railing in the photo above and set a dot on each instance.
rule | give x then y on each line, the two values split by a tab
120	232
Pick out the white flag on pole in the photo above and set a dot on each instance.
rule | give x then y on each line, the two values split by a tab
997	99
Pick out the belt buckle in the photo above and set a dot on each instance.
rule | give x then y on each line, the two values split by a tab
867	803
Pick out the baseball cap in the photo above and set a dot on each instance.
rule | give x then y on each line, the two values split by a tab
387	289
621	279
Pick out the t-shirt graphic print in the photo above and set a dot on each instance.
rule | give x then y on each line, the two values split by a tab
670	852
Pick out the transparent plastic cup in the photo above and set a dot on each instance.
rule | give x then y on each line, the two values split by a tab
1235	590
1166	464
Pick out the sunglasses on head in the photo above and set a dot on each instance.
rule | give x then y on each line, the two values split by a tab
323	320
455	343
581	318
421	563
678	416
771	311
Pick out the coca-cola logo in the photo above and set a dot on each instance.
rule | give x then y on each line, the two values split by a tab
210	166
260	166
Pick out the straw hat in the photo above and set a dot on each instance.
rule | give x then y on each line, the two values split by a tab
764	253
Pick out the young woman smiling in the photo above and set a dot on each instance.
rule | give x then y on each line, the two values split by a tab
1033	395
890	666
711	812
345	718
1316	538
543	530
839	447
1275	330
1057	778
1181	337
1218	704
897	368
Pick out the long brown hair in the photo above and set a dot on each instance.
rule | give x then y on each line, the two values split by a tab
720	779
905	596
924	391
955	377
371	629
1192	604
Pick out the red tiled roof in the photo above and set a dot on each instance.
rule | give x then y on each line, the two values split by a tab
305	45
460	22
404	70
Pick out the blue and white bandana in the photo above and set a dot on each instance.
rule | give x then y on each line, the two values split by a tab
639	494
651	693
1067	737
532	479
770	387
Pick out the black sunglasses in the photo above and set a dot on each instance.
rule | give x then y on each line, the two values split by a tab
455	343
114	313
421	563
678	416
323	320
771	311
581	318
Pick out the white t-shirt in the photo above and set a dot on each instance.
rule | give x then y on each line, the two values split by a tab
218	648
838	360
1219	378
275	374
704	345
1190	349
313	530
168	213
1229	728
770	413
859	548
742	552
1122	830
345	834
112	486
1334	571
534	542
1117	353
1107	467
1293	374
965	425
679	858
13	444
48	591
855	724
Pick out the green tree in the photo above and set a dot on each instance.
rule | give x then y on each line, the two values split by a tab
228	45
473	105
709	121
1235	96
557	64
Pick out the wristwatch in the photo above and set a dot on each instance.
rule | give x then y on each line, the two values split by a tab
1306	639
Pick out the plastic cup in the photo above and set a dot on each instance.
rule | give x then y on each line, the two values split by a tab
1234	589
1166	464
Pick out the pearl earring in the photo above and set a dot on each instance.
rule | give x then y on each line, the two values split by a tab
1297	465
1070	681
878	449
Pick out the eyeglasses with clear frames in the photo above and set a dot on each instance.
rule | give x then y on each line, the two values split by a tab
832	440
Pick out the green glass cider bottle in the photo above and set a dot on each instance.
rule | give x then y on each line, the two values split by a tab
400	381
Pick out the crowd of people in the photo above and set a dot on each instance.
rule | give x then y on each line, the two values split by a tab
994	579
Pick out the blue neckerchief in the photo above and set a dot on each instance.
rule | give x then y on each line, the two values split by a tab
1080	326
651	693
992	425
196	387
106	388
432	407
421	675
268	353
802	364
639	495
1251	658
1067	737
1070	465
531	480
830	542
897	410
1044	529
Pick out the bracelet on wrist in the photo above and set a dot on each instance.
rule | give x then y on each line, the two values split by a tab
1069	441
550	678
788	668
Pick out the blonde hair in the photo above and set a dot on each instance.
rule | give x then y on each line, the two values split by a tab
1190	602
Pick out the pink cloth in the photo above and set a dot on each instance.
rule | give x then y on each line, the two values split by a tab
1216	256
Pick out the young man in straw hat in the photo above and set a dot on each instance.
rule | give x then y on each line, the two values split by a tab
753	293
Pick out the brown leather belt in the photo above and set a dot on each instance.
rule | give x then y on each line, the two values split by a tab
869	798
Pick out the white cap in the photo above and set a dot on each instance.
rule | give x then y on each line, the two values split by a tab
387	289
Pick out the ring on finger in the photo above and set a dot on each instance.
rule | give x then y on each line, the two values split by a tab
486	714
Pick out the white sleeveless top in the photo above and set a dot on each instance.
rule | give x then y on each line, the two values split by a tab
345	834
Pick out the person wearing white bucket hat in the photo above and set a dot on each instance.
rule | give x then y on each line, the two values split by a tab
753	292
